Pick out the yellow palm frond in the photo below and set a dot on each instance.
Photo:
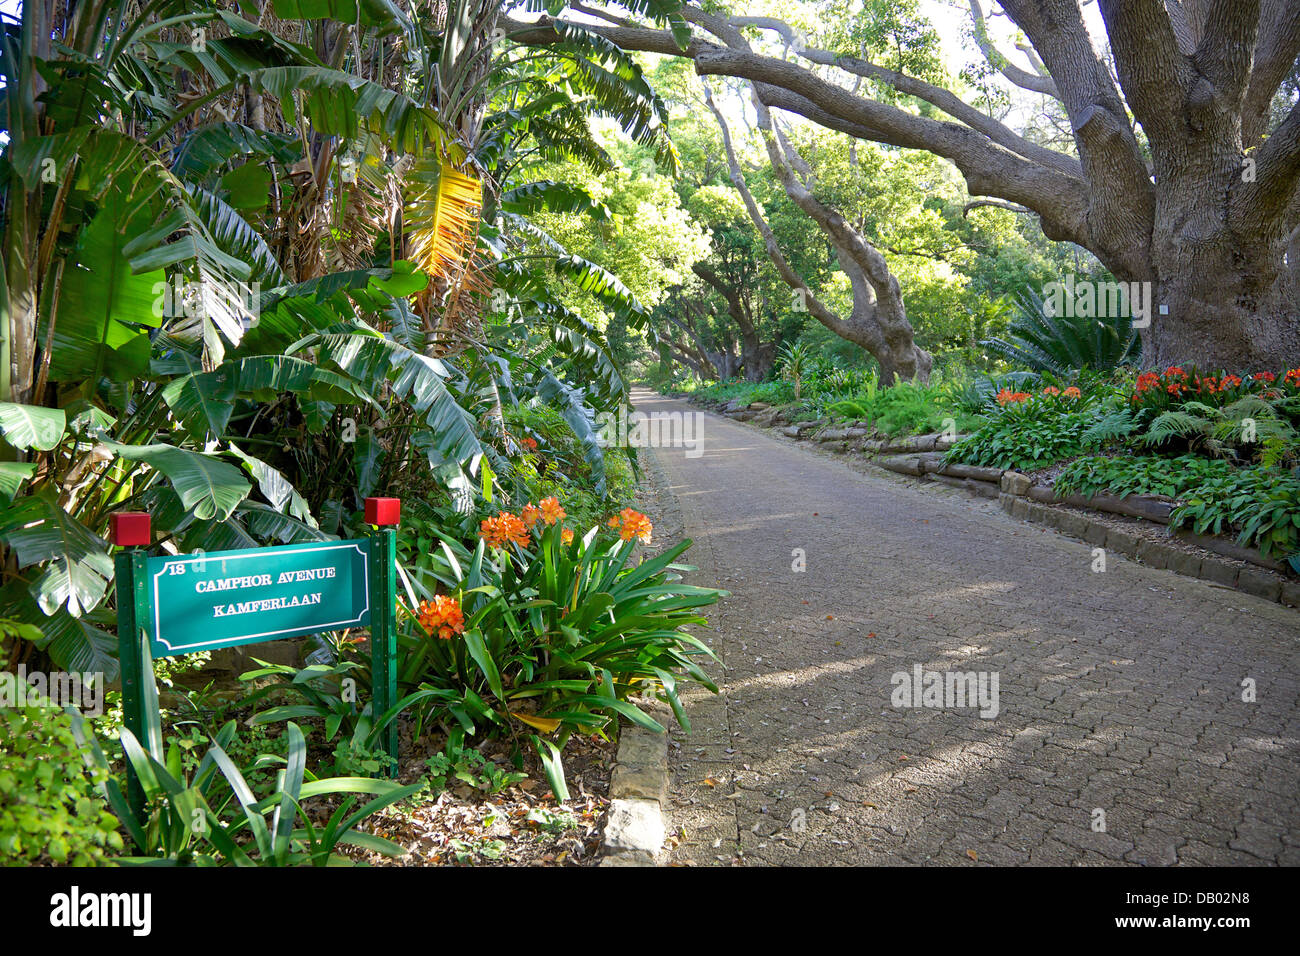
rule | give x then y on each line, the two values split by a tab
442	214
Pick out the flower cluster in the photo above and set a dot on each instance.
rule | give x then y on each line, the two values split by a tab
504	529
1007	397
529	444
442	616
1178	384
551	510
631	524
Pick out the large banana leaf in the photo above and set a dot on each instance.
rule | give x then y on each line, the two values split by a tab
77	565
545	195
102	304
374	361
207	486
30	426
442	214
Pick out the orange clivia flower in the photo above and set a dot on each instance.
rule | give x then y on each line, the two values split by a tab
1072	392
505	528
529	443
632	524
550	510
1051	390
442	616
1008	397
566	535
530	514
1264	377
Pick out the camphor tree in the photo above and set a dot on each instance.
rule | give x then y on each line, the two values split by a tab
877	320
1185	168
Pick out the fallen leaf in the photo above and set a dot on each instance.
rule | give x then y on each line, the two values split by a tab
710	782
830	617
545	724
973	855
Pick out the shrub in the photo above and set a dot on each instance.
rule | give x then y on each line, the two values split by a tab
1263	506
558	638
191	820
49	807
551	631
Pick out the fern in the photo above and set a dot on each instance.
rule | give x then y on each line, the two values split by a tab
1111	428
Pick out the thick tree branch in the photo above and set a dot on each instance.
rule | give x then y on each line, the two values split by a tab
951	104
1227	48
1275	56
1157	78
1034	82
788	275
1262	206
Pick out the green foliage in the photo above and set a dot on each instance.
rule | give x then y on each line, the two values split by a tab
1125	475
1058	343
193	822
774	393
1261	505
556	639
50	810
330	694
1027	435
470	767
1228	431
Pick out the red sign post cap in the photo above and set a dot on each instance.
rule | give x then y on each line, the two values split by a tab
129	528
383	511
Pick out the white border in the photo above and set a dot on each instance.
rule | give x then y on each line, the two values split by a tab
261	552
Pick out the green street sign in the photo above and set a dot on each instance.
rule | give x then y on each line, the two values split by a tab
187	603
202	602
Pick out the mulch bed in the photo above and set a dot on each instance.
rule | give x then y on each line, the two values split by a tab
521	825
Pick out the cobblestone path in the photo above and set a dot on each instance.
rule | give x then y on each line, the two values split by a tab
1119	693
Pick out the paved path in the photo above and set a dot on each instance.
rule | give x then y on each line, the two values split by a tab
1119	692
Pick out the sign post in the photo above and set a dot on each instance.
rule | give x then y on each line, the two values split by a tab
383	514
182	604
131	530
